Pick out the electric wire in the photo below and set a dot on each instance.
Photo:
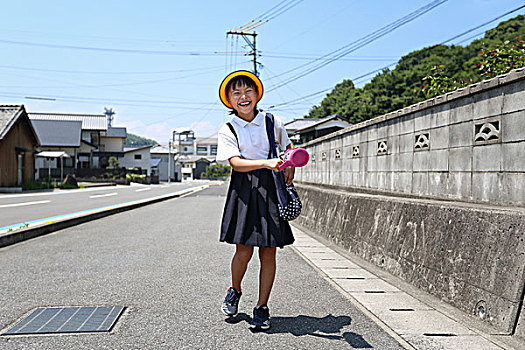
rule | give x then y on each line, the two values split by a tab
271	14
390	65
104	73
345	50
482	25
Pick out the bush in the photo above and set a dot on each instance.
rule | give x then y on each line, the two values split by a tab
502	59
135	177
45	185
216	170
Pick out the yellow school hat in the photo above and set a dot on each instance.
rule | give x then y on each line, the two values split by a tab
229	77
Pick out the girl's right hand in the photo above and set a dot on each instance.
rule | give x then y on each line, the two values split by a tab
273	164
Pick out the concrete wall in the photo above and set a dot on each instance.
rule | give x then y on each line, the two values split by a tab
434	194
467	255
468	145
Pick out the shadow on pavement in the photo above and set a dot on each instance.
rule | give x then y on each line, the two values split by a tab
328	327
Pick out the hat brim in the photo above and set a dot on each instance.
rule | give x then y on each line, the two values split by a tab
229	77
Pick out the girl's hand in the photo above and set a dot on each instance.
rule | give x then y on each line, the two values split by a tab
289	173
273	164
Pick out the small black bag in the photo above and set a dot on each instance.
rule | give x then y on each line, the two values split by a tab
289	203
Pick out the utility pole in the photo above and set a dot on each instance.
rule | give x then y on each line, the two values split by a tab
169	162
251	44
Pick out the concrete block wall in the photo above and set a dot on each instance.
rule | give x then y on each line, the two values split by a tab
468	145
435	194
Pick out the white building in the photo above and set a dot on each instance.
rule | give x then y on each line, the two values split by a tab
137	158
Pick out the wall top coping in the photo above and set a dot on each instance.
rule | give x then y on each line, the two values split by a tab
512	76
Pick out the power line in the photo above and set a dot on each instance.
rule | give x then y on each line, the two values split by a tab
104	73
390	65
115	50
202	72
482	25
267	16
345	50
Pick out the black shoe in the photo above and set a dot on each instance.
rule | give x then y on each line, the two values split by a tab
231	302
261	318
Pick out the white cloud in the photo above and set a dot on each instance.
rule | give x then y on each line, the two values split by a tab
204	128
160	132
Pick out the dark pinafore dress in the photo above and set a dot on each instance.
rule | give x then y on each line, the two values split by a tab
251	216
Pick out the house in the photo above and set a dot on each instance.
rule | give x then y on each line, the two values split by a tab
111	145
18	141
93	128
159	163
138	158
193	154
306	129
206	146
57	136
184	141
192	166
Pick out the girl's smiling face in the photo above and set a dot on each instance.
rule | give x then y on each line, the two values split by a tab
243	98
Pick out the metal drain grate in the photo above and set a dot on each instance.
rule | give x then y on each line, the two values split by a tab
79	319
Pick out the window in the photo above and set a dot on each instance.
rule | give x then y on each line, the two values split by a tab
214	150
202	150
138	156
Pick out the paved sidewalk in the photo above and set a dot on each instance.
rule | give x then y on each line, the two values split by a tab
416	322
165	264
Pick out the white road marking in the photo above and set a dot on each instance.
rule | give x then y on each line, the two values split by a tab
143	189
22	204
104	195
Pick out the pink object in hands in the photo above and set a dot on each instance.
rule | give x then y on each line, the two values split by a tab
296	157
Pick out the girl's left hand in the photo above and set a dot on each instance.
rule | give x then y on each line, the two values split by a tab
289	173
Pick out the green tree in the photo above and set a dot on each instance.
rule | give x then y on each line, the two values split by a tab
402	86
113	163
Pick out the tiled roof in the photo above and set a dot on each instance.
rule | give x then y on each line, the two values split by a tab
206	140
8	116
116	132
133	149
64	133
323	120
193	158
298	124
89	121
161	150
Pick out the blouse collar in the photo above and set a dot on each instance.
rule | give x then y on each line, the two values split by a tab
243	123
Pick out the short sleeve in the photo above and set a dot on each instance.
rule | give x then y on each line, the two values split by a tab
227	146
280	133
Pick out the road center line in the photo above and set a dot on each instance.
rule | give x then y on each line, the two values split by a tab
22	204
143	189
104	195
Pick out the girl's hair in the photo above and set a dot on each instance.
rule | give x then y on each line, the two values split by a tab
240	81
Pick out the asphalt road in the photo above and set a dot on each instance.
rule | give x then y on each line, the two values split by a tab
20	208
165	264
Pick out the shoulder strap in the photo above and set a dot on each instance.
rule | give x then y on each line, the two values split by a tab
271	136
233	131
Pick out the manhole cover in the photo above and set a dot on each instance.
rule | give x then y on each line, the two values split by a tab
78	319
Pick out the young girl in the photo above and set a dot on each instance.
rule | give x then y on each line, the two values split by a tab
251	216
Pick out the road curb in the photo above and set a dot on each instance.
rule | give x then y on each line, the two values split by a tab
20	235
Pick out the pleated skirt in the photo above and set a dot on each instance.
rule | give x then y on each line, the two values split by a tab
251	216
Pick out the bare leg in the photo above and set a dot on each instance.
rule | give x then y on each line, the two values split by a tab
267	273
242	257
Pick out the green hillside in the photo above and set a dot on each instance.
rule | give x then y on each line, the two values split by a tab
135	141
394	89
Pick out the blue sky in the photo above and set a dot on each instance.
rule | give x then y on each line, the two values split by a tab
159	63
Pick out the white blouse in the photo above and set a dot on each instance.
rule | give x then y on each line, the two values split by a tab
253	140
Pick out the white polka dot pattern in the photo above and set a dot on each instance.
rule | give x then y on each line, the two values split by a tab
293	209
